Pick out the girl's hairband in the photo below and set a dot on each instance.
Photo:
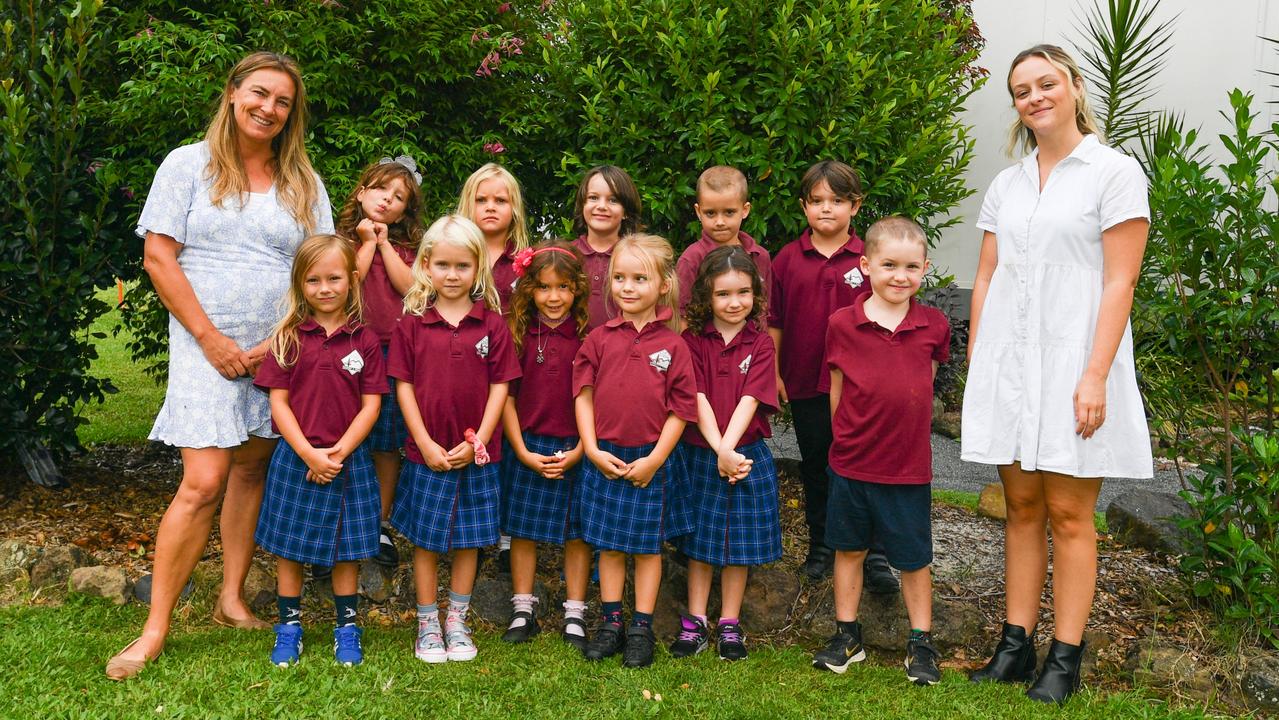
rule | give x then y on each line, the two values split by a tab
524	258
407	162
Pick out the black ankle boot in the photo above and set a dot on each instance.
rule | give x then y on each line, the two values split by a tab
1014	658
1060	677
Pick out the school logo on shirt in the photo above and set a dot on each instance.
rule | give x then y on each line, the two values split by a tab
853	278
353	363
482	347
660	360
745	365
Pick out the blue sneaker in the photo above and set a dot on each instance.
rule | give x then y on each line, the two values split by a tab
288	644
346	645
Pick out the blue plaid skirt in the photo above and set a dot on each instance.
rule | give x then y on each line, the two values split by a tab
443	511
318	524
534	508
389	433
736	524
616	515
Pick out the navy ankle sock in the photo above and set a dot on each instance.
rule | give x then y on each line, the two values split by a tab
639	619
612	612
290	609
345	606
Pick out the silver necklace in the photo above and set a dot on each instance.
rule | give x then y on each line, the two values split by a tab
544	336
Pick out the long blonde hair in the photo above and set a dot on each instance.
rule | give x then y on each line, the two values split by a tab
517	234
284	336
658	256
461	232
1020	138
294	177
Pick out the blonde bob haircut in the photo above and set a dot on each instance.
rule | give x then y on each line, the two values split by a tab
1020	138
295	180
658	258
460	232
284	336
517	235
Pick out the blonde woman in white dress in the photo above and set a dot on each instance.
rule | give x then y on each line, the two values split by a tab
1051	397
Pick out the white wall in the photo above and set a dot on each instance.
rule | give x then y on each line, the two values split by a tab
1215	48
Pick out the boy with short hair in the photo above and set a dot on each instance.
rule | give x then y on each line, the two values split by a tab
722	204
883	352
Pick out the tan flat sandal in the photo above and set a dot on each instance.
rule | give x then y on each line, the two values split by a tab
119	668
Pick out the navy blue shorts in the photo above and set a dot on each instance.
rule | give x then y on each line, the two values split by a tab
735	524
443	511
319	524
389	433
898	517
534	508
616	515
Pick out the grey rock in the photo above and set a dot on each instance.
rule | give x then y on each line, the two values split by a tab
1156	665
991	502
101	581
375	581
259	588
142	589
15	586
1145	518
15	554
1261	682
52	570
770	593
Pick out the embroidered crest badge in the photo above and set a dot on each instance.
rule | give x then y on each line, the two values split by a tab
482	347
660	360
353	363
853	278
745	365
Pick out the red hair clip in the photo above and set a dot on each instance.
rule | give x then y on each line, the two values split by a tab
522	260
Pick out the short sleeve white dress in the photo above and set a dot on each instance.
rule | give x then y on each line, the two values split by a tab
237	259
1040	315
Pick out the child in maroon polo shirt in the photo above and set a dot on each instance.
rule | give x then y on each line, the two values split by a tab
883	352
607	208
813	277
722	204
320	506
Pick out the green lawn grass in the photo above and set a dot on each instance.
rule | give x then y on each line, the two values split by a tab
207	671
125	417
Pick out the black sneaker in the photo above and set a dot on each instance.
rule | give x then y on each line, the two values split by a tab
387	555
608	641
877	576
842	650
819	563
639	647
692	637
576	640
731	642
522	628
921	661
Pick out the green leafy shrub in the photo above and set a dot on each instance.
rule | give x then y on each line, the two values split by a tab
59	221
666	88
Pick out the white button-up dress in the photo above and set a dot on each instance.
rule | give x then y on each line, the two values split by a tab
1037	325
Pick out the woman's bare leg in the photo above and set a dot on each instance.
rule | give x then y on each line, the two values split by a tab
1071	504
239	519
1025	544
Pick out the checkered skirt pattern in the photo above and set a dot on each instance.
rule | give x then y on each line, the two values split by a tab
735	524
389	433
319	524
534	508
443	511
616	515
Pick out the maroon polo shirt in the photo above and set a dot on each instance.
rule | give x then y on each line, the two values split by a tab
727	373
639	379
883	425
382	305
595	264
504	276
691	260
451	369
807	287
327	381
544	393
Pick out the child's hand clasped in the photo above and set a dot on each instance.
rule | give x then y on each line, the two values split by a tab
321	465
609	464
734	465
641	471
461	456
436	458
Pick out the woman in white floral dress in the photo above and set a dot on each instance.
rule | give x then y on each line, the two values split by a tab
221	224
1052	395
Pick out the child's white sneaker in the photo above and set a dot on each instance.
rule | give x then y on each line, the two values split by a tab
430	643
460	645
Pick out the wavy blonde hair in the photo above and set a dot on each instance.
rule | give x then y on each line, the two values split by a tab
658	257
1020	138
294	178
461	232
284	336
517	234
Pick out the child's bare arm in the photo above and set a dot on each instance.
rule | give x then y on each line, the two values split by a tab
397	271
733	464
359	428
432	453
706	421
836	389
584	410
464	453
776	335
